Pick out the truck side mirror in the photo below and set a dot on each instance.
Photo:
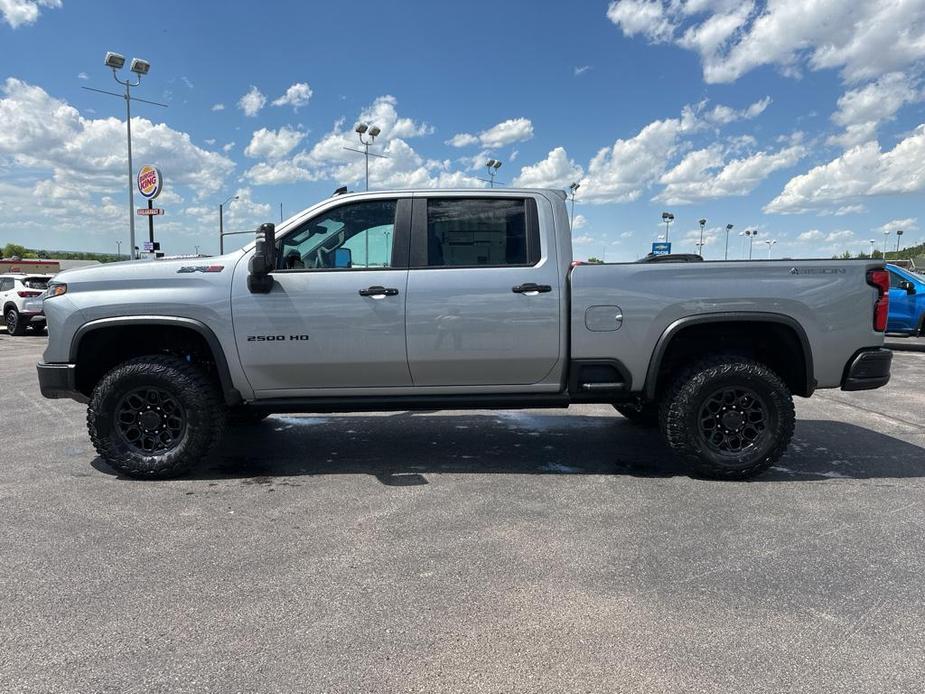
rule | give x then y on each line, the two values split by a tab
263	262
908	286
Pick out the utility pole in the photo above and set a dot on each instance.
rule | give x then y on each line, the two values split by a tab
703	223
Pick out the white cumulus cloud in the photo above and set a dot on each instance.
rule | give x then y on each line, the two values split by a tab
504	133
555	171
297	96
18	13
252	102
273	144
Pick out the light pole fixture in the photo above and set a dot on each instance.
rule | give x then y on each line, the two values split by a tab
493	165
372	131
899	233
726	252
872	244
703	223
668	218
140	67
119	250
886	234
750	234
770	243
572	188
221	223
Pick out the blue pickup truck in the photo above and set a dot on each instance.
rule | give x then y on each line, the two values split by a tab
907	302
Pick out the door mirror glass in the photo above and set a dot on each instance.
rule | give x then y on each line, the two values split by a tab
343	258
908	286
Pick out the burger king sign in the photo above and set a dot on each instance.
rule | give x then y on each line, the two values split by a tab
150	182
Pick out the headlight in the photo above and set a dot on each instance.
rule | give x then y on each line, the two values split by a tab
55	289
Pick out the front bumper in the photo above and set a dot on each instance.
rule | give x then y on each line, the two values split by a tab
59	381
868	369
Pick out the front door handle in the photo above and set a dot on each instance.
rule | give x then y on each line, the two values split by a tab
378	292
531	287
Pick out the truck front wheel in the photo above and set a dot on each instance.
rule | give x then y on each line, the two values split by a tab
729	417
155	417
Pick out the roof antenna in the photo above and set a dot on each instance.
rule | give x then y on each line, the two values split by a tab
341	190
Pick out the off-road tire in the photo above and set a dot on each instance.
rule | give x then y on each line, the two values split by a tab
685	417
644	416
245	415
199	401
15	325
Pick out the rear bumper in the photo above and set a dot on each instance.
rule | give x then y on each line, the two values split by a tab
59	381
868	369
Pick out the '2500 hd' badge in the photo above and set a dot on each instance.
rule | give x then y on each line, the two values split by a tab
276	338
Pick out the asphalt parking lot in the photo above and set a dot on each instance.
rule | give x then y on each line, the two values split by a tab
537	551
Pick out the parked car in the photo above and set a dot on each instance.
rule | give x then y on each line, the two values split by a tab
450	299
21	298
907	302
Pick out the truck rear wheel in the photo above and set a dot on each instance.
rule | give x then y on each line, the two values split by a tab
155	417
729	417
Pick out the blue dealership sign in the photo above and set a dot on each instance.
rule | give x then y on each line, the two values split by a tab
661	248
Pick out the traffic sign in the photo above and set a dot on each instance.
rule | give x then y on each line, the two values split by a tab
661	248
150	246
148	211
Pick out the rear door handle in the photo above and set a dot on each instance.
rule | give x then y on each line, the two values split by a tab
378	291
531	287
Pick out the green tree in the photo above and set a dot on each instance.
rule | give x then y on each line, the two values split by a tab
595	261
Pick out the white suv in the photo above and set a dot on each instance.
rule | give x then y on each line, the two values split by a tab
21	298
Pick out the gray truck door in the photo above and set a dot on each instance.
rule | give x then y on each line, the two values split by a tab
335	317
483	293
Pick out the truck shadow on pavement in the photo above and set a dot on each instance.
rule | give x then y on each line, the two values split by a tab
401	449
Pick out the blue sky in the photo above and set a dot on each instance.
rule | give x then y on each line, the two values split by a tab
800	119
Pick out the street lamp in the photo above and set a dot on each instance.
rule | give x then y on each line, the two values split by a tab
140	67
899	233
703	223
221	223
119	250
726	252
372	131
572	188
886	233
493	165
770	243
750	234
668	218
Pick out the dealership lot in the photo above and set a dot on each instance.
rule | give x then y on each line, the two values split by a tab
465	551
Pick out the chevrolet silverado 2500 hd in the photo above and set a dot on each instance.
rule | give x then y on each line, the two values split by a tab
455	299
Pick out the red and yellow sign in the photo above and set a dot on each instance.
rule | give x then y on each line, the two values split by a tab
150	181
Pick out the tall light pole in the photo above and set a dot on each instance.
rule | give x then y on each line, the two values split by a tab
886	234
668	218
770	243
221	223
872	244
899	233
140	67
703	223
493	165
119	250
750	234
372	131
572	188
726	252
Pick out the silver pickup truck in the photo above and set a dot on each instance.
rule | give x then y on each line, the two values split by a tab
455	299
